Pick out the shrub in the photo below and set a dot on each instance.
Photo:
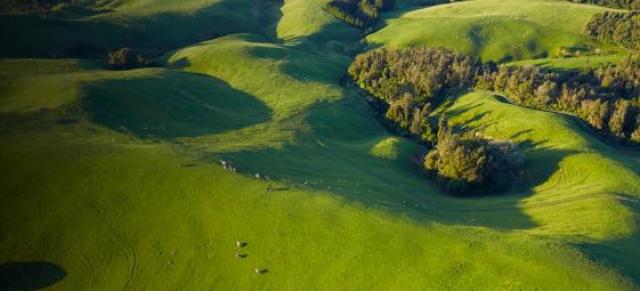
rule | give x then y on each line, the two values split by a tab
467	163
359	13
125	58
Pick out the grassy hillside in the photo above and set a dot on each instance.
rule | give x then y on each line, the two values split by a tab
492	29
575	63
566	162
156	214
113	176
149	25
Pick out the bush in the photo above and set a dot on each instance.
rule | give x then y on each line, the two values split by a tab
124	58
359	13
467	163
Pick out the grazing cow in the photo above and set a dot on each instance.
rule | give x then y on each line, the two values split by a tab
241	244
261	270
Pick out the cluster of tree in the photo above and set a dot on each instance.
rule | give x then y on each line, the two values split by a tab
430	2
42	7
607	98
618	27
409	118
468	163
406	80
359	13
621	4
416	73
125	58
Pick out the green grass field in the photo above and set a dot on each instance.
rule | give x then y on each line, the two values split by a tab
573	63
114	177
149	25
492	29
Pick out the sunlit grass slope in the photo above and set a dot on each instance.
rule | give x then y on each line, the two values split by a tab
491	29
584	190
573	63
287	80
303	18
139	213
581	182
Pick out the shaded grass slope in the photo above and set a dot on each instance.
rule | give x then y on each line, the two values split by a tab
183	105
149	25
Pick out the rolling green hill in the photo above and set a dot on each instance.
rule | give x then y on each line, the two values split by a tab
114	176
492	29
148	25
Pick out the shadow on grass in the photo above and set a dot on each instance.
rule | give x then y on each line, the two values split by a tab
97	32
540	163
302	65
29	275
621	254
269	14
478	40
172	104
322	56
334	156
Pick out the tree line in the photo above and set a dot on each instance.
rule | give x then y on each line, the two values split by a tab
620	4
617	27
42	7
359	13
419	72
407	79
366	13
404	83
607	98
